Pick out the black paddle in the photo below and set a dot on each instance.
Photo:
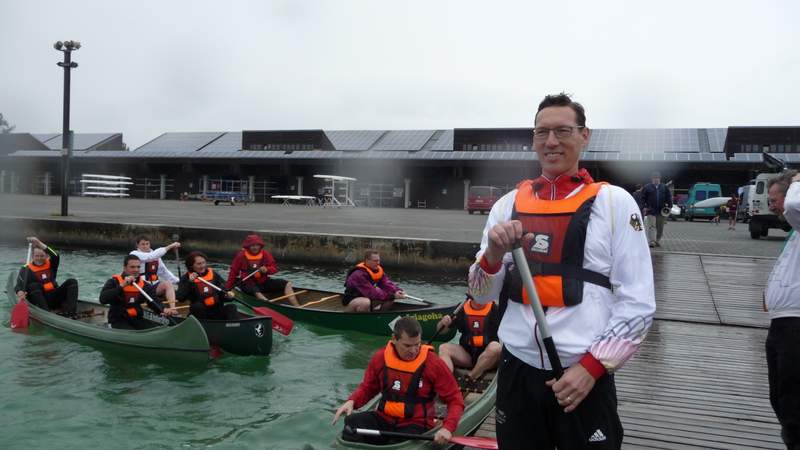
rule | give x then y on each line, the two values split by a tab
452	316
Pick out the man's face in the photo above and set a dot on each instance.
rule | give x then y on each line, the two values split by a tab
133	267
199	265
559	156
254	249
143	245
39	257
407	347
656	180
373	261
776	197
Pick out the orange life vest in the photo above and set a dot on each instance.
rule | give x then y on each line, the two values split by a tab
151	270
253	263
476	326
555	254
205	291
131	295
44	275
376	276
401	383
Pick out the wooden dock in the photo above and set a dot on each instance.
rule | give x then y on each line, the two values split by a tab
699	381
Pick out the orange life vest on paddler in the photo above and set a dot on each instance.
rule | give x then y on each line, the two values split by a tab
376	276
131	295
555	254
44	275
205	291
151	270
401	383
477	326
253	263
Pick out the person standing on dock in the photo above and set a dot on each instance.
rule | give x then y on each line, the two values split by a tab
124	299
205	301
782	302
156	272
656	197
37	282
368	287
478	348
409	376
254	259
585	243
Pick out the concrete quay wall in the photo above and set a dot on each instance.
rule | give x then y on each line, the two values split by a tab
423	254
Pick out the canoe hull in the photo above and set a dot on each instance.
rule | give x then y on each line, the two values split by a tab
246	336
330	314
188	336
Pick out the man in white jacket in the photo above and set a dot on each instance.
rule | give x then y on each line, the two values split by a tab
590	260
782	300
155	271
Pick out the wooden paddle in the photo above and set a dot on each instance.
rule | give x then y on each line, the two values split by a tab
280	323
20	313
156	307
467	441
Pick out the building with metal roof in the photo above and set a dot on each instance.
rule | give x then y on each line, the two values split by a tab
433	168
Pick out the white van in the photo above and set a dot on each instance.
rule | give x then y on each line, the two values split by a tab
761	218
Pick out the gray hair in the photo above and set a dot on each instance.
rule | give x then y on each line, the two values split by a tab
783	180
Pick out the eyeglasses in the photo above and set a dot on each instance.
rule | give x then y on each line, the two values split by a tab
541	134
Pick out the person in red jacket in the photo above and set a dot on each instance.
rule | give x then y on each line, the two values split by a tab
253	258
408	375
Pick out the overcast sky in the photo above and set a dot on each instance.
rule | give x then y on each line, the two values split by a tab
149	67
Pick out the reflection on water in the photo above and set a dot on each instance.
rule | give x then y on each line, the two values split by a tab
64	391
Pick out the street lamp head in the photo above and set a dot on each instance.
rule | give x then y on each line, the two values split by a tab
58	45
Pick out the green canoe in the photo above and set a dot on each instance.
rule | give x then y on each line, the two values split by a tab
248	335
324	308
188	336
478	404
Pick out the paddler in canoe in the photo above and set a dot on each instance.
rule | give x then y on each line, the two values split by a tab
206	302
479	348
408	376
253	267
37	282
123	294
155	271
368	287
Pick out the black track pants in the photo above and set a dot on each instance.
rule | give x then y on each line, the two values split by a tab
783	366
529	417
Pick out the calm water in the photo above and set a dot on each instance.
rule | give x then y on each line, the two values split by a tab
64	392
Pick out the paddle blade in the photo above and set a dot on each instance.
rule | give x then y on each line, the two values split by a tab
20	316
476	442
280	323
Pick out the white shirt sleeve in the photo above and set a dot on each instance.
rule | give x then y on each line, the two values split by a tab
163	272
631	276
485	287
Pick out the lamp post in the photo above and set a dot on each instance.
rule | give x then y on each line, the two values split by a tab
66	143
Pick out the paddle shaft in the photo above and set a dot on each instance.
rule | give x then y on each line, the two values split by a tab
247	277
452	315
414	298
153	304
177	254
477	442
20	314
538	312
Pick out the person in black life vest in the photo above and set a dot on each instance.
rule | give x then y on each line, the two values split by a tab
124	300
251	258
585	244
368	288
205	301
408	376
37	282
478	348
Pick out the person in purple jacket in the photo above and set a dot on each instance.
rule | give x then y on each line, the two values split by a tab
368	288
